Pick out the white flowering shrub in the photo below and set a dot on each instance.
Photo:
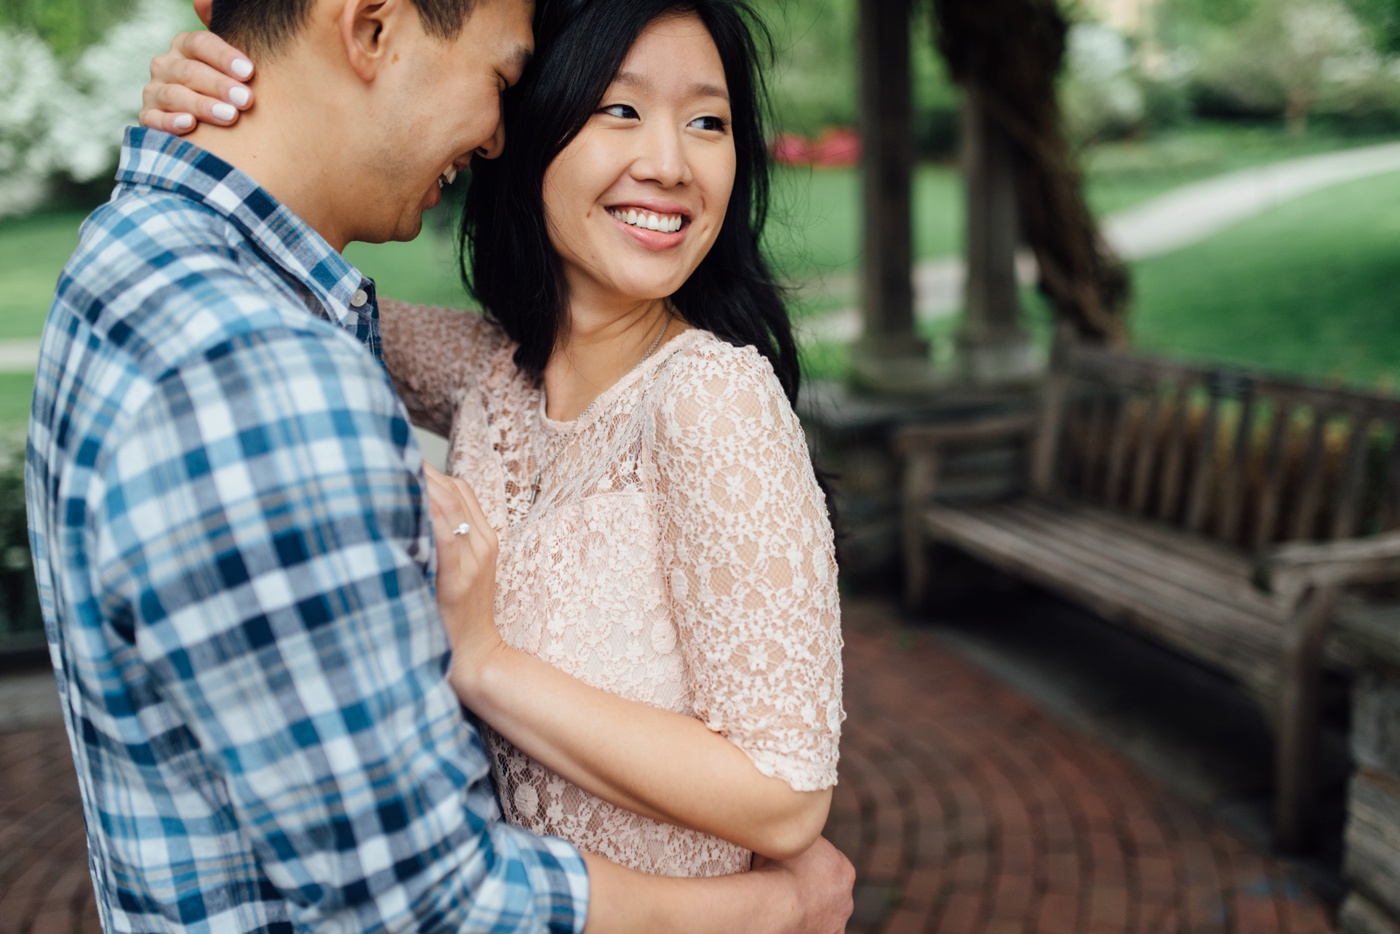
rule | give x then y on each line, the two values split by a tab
1101	94
65	118
1296	59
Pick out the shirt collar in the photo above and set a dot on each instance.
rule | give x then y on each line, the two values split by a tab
160	161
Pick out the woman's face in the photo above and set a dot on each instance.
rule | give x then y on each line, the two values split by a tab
637	198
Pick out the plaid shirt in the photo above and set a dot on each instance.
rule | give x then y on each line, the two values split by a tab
234	550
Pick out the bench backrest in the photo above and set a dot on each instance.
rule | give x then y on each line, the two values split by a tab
1249	458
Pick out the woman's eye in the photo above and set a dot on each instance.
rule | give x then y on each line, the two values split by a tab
710	124
619	110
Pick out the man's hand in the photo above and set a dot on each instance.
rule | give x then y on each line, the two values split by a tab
807	895
824	879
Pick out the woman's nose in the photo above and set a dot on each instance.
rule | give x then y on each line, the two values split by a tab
663	159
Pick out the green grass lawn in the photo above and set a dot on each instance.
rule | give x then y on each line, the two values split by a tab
16	391
32	253
1310	287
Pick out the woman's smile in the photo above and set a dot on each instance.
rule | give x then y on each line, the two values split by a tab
655	228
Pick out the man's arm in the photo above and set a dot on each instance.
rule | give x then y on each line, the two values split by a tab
262	526
807	895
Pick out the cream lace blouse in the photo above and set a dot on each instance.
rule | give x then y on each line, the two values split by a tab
678	554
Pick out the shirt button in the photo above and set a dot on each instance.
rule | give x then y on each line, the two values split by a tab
359	298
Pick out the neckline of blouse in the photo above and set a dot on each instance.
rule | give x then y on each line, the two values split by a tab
605	399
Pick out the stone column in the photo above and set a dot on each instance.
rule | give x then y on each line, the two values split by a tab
890	356
1372	842
993	347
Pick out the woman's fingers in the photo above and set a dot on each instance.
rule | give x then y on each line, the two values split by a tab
212	51
198	80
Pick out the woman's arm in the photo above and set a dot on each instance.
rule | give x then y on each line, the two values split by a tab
771	727
432	353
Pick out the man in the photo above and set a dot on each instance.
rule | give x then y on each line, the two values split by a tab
232	538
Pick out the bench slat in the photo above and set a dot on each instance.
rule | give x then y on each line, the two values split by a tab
1174	454
1351	489
1214	633
1311	477
1266	512
1139	567
1203	472
1232	502
1116	542
1146	455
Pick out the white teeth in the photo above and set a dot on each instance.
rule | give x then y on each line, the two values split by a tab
448	176
649	221
646	220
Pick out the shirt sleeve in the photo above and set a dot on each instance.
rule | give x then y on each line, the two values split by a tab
751	565
433	354
263	532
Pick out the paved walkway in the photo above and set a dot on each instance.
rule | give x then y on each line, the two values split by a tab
964	807
1176	219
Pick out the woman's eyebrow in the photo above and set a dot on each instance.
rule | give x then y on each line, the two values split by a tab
699	89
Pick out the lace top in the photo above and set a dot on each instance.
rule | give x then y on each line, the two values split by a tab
678	554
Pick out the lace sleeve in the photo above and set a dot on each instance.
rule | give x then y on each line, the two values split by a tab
432	353
752	565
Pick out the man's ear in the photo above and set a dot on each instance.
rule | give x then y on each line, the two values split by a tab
204	9
367	28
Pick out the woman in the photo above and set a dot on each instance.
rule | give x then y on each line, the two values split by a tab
659	672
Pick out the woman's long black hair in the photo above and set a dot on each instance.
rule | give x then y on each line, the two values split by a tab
508	261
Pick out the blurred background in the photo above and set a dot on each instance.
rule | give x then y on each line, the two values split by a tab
1199	133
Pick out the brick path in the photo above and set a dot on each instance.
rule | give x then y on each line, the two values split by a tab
963	807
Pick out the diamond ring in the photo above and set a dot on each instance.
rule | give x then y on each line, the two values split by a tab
462	529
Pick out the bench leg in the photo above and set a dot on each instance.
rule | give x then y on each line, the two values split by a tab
1296	754
920	474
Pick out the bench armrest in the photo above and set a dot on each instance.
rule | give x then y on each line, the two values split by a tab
1290	570
916	439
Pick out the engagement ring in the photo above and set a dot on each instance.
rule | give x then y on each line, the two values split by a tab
462	529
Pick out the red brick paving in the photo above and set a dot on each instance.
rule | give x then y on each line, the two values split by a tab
963	808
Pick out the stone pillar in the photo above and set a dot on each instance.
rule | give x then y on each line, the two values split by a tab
1372	842
890	356
993	347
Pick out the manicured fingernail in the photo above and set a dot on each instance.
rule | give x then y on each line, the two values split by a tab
241	68
224	111
239	95
183	121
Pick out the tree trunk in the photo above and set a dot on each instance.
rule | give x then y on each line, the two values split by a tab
1012	51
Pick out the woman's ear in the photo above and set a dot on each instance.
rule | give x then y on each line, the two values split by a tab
366	27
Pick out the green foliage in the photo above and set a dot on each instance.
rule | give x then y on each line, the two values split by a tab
66	26
817	82
1382	18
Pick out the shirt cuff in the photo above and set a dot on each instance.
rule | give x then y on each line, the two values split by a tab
559	879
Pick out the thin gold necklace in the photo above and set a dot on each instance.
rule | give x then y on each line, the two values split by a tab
564	442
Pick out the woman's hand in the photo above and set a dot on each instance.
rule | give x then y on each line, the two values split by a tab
201	78
466	577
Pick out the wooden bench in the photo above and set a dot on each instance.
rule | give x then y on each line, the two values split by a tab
1218	511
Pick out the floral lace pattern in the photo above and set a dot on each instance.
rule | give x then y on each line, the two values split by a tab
678	554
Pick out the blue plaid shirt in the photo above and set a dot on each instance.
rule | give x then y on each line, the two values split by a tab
234	550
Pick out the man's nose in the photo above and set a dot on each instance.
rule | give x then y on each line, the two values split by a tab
492	148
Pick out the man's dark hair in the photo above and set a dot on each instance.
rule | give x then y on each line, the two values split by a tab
262	28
